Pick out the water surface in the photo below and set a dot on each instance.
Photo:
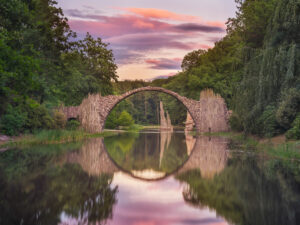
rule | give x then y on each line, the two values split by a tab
151	177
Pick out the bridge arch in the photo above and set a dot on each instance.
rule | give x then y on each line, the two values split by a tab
210	113
183	100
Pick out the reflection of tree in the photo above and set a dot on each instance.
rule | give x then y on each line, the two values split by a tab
175	154
247	192
120	145
40	197
157	151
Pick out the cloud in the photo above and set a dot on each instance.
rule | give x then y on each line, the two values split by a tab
152	42
109	26
163	63
126	57
166	76
160	14
136	33
198	28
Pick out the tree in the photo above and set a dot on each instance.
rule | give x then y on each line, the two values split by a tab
192	59
125	119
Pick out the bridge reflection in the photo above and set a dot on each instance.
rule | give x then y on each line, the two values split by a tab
207	154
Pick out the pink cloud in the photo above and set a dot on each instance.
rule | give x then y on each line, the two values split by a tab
116	26
152	41
136	31
161	14
164	63
108	26
163	76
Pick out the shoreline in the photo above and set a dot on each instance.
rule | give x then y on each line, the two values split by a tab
277	146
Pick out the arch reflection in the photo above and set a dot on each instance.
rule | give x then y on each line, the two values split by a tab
152	155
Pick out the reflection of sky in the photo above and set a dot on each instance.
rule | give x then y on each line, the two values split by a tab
156	203
149	38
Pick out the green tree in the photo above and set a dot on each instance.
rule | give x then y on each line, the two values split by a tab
125	119
192	59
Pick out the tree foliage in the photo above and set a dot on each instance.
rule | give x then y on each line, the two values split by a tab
41	62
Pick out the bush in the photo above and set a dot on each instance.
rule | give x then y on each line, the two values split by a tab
267	122
59	120
72	125
12	123
112	120
235	122
294	132
125	119
288	108
38	116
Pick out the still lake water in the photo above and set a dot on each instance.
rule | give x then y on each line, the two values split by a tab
147	178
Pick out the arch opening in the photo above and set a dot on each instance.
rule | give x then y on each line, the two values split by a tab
144	107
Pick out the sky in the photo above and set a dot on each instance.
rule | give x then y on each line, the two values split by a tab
149	38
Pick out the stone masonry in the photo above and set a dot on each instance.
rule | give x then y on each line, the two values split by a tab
210	113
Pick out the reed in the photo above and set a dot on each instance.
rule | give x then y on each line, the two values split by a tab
53	137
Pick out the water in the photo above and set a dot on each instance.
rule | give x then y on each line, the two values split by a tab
147	178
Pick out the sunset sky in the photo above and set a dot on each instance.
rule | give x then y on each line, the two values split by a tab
149	38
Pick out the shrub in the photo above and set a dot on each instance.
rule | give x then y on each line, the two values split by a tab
72	125
267	122
294	132
125	119
59	120
288	108
38	116
12	123
235	122
112	120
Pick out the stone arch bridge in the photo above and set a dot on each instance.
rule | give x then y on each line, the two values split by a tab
210	113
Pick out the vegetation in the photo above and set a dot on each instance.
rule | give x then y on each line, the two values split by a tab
133	152
249	190
255	68
36	181
52	137
144	107
42	66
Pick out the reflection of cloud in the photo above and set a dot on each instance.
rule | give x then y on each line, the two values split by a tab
159	203
148	174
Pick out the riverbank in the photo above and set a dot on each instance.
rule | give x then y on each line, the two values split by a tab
278	146
50	137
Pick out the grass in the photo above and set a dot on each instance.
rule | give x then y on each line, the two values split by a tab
52	137
276	147
287	150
